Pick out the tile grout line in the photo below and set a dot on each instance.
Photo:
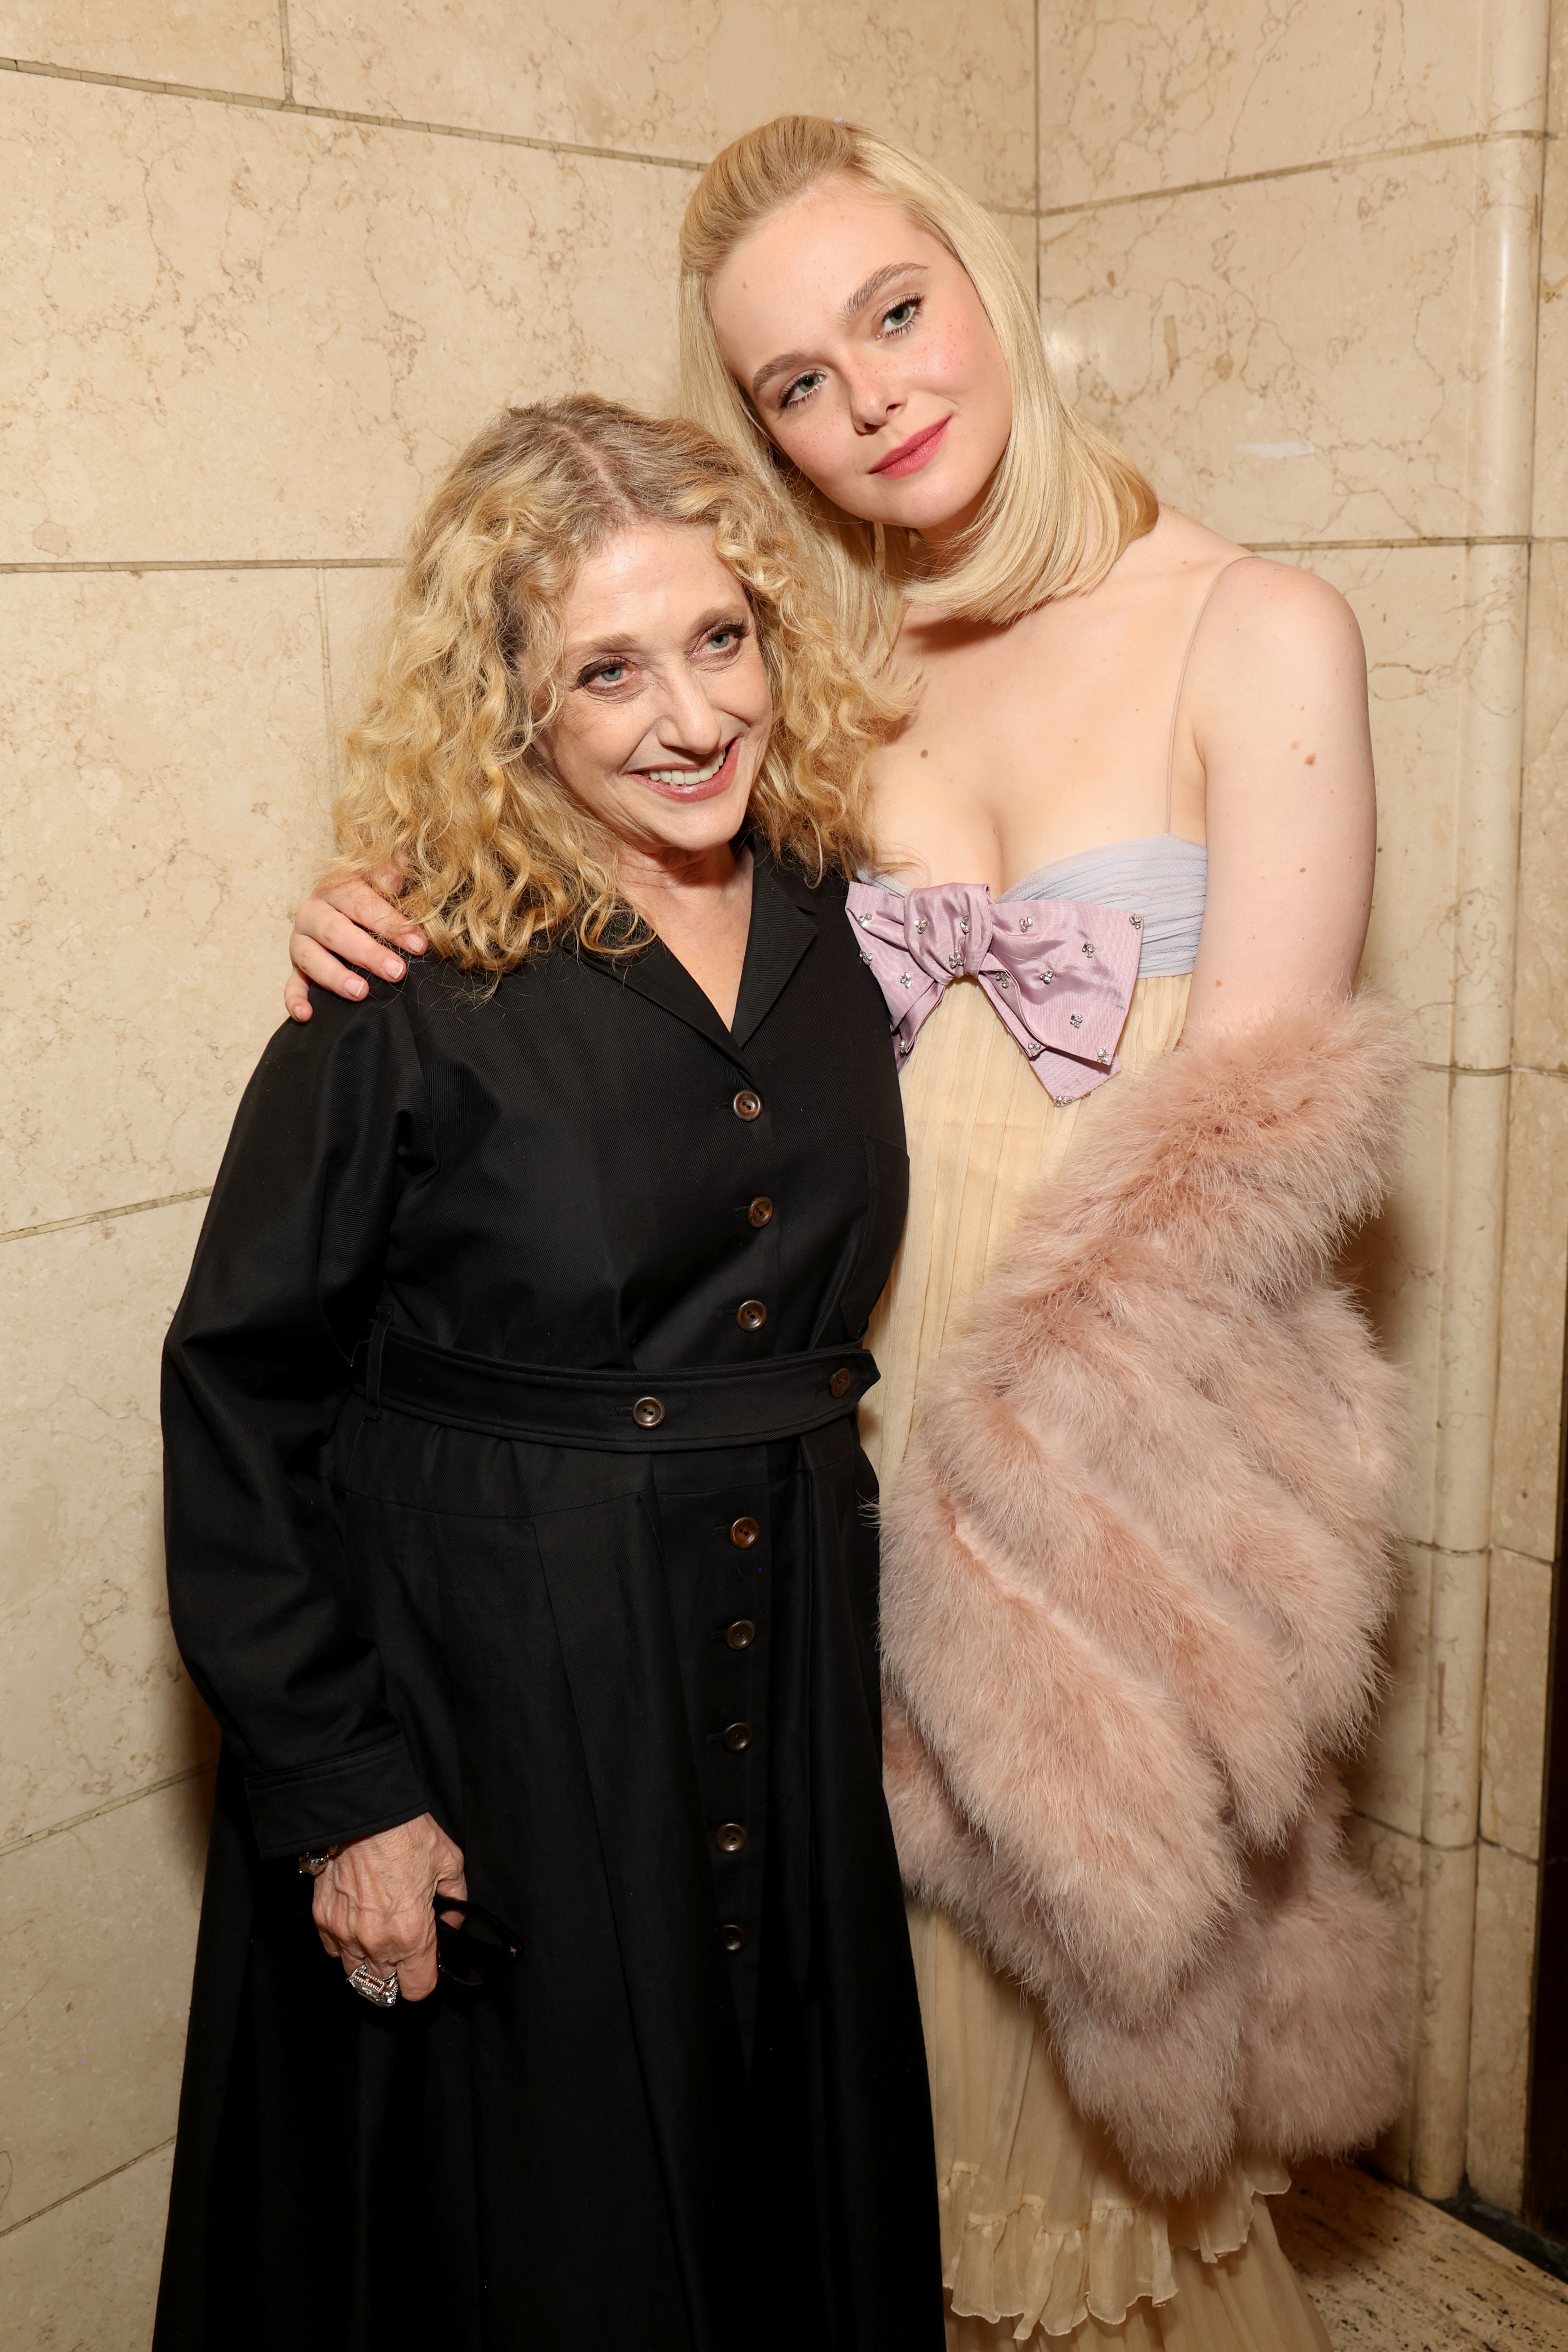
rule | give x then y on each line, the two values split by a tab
137	564
110	1805
1293	170
102	1216
113	2174
286	51
257	102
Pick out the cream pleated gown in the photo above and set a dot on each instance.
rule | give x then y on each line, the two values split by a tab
1044	2238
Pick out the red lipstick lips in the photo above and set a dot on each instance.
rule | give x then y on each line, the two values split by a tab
917	451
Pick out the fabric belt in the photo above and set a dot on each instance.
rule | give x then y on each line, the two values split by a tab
612	1412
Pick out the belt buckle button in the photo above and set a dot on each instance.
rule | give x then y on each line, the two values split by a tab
647	1413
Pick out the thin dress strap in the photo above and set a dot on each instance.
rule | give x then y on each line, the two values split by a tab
1182	677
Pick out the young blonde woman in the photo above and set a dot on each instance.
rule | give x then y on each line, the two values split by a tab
1139	1464
518	1533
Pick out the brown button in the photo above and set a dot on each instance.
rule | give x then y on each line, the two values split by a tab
738	1737
839	1385
729	1836
748	1104
744	1533
741	1633
732	1938
647	1413
760	1211
751	1315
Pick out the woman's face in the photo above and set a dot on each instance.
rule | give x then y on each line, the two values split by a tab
666	712
868	356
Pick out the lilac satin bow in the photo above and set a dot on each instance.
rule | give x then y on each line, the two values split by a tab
1058	972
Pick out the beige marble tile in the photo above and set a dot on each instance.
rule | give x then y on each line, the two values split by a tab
1540	1002
166	790
97	1933
952	85
1455	1678
1551	500
1143	94
1301	359
1519	1633
1499	2027
1390	2272
1444	629
1471	1295
1534	1284
1434	1890
1397	1267
245	335
93	1700
85	2278
234	45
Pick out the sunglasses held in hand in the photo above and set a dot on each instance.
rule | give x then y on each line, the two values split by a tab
473	1948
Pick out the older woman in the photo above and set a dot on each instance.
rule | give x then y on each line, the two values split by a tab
519	1533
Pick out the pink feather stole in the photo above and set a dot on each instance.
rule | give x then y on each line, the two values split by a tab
1136	1565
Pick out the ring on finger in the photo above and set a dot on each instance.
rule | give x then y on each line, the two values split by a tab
381	1992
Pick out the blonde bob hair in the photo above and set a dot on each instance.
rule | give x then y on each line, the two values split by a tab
449	776
1063	503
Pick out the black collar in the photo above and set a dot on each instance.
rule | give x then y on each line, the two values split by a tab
783	927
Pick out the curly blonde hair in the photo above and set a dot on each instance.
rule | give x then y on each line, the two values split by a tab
447	777
1063	503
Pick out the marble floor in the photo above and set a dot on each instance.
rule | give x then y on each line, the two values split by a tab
1390	2273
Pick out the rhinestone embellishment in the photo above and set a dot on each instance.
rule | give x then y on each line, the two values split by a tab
1025	922
1136	921
964	924
1047	977
1103	1055
922	924
1076	1020
863	922
1088	950
907	981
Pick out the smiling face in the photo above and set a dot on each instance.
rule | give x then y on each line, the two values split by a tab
665	710
868	357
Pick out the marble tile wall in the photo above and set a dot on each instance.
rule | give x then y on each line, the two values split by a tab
268	264
1310	264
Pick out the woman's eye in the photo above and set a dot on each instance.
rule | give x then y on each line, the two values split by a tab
801	388
902	314
612	674
726	640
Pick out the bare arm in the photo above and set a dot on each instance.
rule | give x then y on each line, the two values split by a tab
1278	699
345	924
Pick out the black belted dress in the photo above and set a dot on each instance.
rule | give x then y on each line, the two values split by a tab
513	1475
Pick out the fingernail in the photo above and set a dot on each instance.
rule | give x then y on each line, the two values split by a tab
392	969
356	987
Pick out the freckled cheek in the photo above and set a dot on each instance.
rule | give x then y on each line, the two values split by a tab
823	448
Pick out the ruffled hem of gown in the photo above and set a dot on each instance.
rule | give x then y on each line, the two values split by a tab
1011	2265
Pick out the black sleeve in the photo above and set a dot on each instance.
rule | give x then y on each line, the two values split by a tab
287	1277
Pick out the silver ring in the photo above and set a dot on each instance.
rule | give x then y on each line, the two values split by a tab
380	1990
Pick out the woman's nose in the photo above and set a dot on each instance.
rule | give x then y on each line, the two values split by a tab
691	723
872	399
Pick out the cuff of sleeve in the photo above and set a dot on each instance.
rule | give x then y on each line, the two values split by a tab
342	1798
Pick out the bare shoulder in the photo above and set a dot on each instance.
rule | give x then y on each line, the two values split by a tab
1267	611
